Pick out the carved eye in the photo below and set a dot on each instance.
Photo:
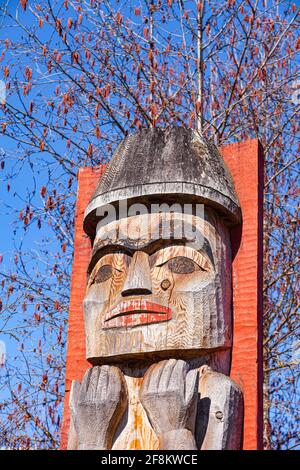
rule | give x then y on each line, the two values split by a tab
183	265
103	274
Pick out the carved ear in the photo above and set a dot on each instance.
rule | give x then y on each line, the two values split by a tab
220	412
73	404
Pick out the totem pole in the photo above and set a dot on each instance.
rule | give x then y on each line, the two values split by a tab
158	302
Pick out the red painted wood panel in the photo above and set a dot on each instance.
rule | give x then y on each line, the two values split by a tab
76	363
245	161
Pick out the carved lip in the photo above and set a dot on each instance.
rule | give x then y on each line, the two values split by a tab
136	312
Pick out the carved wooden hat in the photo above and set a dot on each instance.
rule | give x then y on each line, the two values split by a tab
175	164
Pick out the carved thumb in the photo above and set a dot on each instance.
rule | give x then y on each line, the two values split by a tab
191	387
74	397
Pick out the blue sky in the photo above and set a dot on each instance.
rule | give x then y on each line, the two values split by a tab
28	181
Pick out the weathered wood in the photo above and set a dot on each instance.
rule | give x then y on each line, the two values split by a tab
194	313
178	439
169	396
158	302
135	430
73	404
138	278
220	413
157	162
97	407
216	399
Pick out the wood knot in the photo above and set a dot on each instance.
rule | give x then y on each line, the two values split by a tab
165	284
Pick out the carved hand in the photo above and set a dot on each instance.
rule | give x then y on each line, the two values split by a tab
97	406
169	396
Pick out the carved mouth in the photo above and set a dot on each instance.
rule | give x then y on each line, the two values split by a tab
136	312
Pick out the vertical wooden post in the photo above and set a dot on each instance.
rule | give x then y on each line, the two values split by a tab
245	161
76	363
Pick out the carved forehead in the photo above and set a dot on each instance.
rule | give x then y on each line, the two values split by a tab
143	228
150	232
140	231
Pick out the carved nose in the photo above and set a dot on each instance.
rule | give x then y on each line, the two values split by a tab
138	280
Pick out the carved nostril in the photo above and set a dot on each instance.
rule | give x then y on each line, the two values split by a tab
136	291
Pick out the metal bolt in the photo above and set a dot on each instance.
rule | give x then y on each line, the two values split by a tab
219	415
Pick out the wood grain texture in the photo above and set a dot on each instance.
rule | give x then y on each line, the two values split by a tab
97	407
157	162
220	413
171	405
245	163
169	395
76	362
129	313
138	277
178	439
73	404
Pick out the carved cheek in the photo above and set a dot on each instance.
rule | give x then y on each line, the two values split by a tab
97	294
93	304
185	290
101	294
193	282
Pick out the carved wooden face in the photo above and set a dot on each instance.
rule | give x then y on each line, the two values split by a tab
149	294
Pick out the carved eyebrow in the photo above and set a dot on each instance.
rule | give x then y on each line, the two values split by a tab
106	250
165	255
128	247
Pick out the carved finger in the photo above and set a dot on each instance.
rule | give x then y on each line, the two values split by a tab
146	379
115	382
204	370
152	376
102	386
123	393
91	394
167	371
118	399
177	379
191	387
74	397
84	385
